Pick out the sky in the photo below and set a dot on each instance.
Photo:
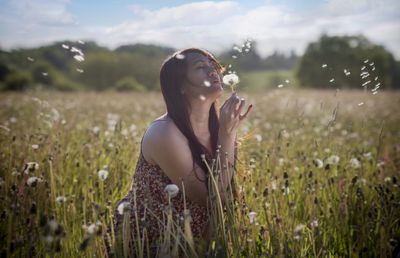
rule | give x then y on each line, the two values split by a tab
275	25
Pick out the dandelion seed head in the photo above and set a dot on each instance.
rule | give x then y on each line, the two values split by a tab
123	207
172	190
103	174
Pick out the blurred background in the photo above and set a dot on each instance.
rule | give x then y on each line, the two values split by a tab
70	45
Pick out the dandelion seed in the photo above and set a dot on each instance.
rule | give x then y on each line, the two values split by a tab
318	163
81	42
79	58
93	228
366	83
360	104
366	61
96	130
77	50
332	80
355	163
64	46
30	167
280	85
35	146
172	190
252	217
103	174
376	78
375	92
207	83
258	137
45	74
368	155
346	72
373	68
378	85
324	65
299	229
30	59
372	64
123	207
230	79
287	81
202	98
61	199
333	160
203	156
32	181
314	223
79	70
234	57
180	56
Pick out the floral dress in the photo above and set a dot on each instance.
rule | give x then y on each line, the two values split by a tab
149	182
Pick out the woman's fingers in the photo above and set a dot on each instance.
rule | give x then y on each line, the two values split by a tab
238	110
241	117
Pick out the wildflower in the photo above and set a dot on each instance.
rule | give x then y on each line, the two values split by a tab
32	181
94	228
314	223
368	155
30	167
258	137
318	163
230	79
61	199
96	130
123	207
253	217
354	163
172	190
103	174
332	160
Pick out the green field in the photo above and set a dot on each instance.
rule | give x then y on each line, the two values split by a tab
318	172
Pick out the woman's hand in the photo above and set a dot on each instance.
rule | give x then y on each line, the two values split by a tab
230	114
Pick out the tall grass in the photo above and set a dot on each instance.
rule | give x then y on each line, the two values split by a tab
291	196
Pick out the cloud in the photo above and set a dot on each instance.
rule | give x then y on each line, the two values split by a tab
216	25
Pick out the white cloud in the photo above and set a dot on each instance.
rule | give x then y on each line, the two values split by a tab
218	25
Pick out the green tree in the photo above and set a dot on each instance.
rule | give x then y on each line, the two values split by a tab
346	62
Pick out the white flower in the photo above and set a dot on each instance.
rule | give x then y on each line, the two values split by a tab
172	190
93	228
355	163
230	79
318	163
30	167
103	174
32	181
332	160
314	223
298	229
123	207
253	217
61	199
368	155
258	137
96	130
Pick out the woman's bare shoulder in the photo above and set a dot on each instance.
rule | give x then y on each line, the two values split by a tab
159	132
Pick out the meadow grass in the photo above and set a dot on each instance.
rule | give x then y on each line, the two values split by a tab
317	174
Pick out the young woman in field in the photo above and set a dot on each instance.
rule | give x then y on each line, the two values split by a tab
174	145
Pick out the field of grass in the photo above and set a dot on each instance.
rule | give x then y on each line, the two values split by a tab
317	175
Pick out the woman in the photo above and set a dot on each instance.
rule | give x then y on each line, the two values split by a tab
175	144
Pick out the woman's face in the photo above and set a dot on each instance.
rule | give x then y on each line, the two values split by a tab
202	79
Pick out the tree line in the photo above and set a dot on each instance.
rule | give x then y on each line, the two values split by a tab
70	66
